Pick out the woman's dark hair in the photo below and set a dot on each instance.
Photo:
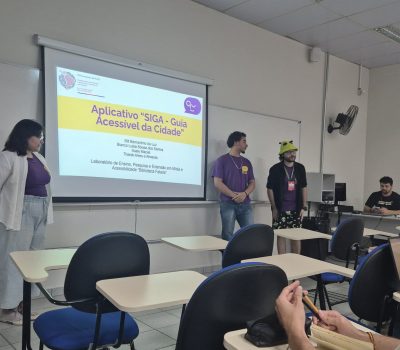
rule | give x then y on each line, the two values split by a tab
235	137
18	139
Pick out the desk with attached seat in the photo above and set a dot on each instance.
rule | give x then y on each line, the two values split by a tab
33	266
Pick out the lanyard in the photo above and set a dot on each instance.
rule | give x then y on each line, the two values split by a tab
291	177
241	163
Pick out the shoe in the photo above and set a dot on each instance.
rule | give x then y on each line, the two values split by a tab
11	317
34	315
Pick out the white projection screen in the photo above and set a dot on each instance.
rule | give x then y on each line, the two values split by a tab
117	133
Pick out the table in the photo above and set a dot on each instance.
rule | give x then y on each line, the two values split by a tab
385	223
196	243
235	340
298	266
373	232
33	266
139	293
299	234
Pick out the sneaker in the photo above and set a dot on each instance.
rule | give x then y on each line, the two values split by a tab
34	315
11	316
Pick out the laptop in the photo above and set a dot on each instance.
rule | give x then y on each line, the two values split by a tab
395	249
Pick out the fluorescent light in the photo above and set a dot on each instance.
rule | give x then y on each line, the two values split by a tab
390	32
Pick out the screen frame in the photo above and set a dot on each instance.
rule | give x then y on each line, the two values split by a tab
177	75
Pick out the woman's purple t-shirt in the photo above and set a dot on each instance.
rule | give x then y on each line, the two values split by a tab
37	179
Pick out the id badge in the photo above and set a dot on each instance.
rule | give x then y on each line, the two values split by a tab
291	185
245	169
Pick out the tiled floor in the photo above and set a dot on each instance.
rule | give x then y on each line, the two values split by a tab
158	328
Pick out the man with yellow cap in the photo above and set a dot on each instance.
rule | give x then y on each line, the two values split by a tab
287	192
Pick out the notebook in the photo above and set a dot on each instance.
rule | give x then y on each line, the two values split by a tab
328	340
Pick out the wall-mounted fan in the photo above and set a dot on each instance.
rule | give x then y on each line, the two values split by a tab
345	121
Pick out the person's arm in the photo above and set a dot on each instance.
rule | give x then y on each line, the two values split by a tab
5	169
241	196
334	321
304	196
369	204
290	310
385	211
271	198
367	209
221	187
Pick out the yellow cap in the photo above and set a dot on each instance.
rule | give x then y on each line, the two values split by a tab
287	146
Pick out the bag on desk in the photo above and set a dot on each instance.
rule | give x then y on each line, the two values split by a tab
268	332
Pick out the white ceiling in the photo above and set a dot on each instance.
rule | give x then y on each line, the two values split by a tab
343	28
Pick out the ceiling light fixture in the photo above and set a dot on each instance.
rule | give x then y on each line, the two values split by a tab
390	32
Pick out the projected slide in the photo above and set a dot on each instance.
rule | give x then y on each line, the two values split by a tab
116	129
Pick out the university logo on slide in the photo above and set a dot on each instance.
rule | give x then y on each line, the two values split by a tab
67	80
192	105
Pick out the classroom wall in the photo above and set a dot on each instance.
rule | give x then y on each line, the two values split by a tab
383	142
253	70
344	155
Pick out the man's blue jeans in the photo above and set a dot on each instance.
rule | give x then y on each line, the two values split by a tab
231	211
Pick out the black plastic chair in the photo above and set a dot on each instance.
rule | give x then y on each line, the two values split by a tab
252	241
225	301
372	286
345	245
91	320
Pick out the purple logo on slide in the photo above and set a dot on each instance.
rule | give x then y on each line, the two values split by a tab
192	105
67	80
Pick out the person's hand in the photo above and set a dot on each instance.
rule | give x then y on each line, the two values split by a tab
240	197
290	310
334	321
384	211
275	213
375	210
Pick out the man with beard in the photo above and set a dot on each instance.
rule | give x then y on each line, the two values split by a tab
234	179
385	201
287	192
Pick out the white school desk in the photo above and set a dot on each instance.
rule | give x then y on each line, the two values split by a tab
235	340
299	234
196	243
298	266
210	243
385	223
139	293
33	266
372	232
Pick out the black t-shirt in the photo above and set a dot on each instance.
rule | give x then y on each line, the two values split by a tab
391	202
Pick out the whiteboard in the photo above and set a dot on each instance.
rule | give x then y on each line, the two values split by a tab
20	97
263	136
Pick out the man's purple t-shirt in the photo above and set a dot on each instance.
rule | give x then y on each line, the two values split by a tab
37	179
289	197
235	172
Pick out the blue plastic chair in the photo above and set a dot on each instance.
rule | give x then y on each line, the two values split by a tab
252	241
372	286
345	245
90	320
225	301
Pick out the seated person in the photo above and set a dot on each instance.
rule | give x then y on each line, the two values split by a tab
290	310
385	201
